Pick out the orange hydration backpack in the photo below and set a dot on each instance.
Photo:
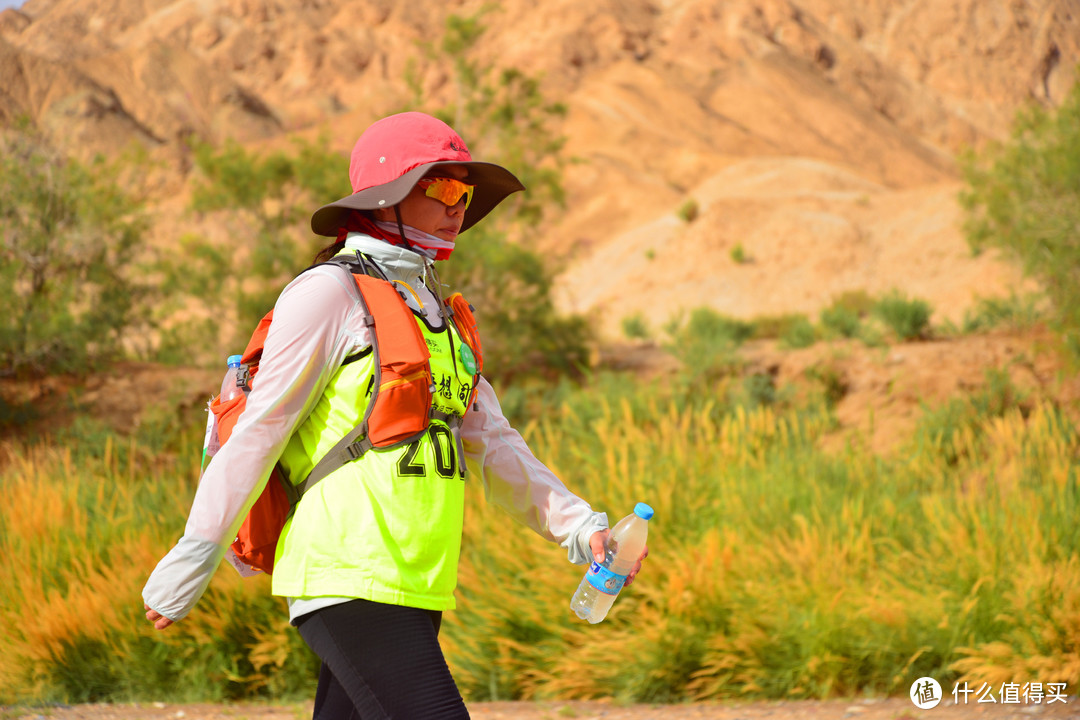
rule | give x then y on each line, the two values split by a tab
398	412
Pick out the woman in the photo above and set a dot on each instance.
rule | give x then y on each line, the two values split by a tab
368	561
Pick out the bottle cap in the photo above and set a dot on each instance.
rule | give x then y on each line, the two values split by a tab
234	360
643	511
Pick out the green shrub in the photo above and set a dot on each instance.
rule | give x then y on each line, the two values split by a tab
635	327
1023	196
264	201
772	327
712	327
757	390
793	330
872	335
707	343
72	261
1014	313
908	318
688	211
800	333
858	301
840	320
738	254
834	385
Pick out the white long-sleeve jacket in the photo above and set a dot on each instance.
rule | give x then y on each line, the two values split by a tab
317	324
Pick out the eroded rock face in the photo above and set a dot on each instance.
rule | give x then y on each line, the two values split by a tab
818	134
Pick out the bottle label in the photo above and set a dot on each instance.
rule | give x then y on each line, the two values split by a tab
604	580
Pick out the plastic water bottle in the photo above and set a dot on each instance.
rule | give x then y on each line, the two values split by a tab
603	581
234	383
235	380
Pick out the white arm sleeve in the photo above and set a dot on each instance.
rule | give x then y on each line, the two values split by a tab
515	480
317	322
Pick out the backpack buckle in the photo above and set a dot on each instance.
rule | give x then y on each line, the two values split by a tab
358	448
243	380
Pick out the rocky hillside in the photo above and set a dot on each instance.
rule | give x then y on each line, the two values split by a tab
816	136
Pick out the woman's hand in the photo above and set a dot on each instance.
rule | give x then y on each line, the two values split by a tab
160	621
598	542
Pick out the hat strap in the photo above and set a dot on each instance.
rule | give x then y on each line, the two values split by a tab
400	224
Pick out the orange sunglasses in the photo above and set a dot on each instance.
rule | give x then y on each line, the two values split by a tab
446	190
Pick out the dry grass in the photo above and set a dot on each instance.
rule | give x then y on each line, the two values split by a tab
776	570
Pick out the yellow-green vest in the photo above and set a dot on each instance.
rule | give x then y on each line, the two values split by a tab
387	526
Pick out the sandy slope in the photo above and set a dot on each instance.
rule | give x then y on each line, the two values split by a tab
820	136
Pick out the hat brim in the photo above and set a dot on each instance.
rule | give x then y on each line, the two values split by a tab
494	184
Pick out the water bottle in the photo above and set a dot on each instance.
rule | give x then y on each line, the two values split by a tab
235	381
603	581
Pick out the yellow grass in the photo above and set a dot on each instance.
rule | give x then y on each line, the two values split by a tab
775	569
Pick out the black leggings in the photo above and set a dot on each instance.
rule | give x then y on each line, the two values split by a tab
380	662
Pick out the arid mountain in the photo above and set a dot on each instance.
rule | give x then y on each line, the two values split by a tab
818	137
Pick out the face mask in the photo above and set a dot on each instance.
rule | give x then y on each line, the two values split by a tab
429	246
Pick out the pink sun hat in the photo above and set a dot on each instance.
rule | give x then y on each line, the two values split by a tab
395	152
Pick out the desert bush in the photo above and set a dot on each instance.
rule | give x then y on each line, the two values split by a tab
845	315
800	333
263	200
755	390
1023	196
859	302
707	343
770	327
840	320
1014	312
688	211
72	261
738	254
635	327
831	380
793	330
908	318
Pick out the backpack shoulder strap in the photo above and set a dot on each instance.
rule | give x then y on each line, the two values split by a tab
338	455
391	336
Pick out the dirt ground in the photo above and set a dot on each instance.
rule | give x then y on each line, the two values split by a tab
865	709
